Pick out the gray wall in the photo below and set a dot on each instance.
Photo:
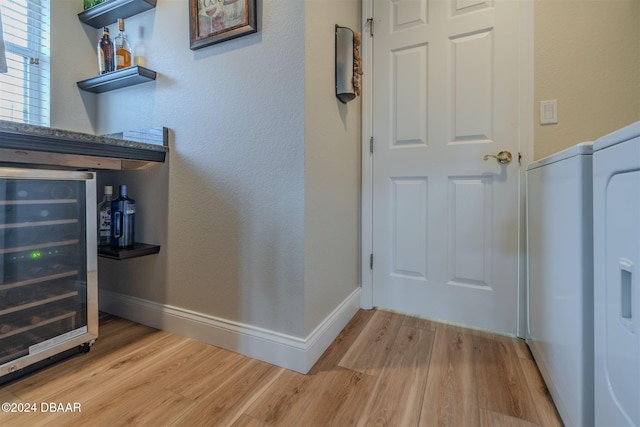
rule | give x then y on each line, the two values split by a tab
332	166
263	174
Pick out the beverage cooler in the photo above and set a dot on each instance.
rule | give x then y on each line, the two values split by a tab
48	267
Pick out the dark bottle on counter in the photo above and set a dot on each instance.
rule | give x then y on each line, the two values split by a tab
123	218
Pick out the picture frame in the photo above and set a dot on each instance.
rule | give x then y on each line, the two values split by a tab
215	21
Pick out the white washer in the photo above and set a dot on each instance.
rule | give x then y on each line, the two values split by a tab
560	278
616	167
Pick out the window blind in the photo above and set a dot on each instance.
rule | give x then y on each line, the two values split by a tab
25	88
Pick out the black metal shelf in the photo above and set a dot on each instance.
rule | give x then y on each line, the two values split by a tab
108	12
138	250
118	79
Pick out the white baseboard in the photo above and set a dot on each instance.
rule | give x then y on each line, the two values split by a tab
298	354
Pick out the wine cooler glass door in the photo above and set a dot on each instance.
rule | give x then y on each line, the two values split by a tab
48	281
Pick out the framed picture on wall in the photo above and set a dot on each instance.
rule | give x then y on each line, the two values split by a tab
214	21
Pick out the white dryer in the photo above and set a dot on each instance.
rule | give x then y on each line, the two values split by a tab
560	278
616	186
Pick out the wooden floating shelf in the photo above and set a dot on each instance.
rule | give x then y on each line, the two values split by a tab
117	79
138	250
108	12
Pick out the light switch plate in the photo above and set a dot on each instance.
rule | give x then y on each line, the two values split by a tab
549	112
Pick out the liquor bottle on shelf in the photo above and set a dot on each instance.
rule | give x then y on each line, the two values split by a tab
108	52
104	217
123	216
123	48
140	50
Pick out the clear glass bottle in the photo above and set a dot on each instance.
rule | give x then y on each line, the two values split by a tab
101	69
123	219
104	217
108	52
123	48
140	50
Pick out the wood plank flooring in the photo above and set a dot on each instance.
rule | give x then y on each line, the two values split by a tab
383	369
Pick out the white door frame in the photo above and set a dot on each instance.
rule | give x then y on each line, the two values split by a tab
525	72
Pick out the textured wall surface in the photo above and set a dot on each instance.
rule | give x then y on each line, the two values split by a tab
587	56
257	208
332	167
228	207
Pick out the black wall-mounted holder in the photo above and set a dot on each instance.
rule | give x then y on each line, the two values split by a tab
345	90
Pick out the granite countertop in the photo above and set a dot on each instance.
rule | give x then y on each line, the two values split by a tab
19	136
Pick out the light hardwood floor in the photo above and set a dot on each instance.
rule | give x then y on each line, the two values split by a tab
383	369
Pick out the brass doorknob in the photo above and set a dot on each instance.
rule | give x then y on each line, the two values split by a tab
503	157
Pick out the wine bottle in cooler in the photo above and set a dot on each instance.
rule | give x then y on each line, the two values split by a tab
123	218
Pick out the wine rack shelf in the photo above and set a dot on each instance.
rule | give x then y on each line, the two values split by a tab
138	250
117	79
39	322
46	299
40	279
108	12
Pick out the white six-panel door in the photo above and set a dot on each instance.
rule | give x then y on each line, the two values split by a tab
445	221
